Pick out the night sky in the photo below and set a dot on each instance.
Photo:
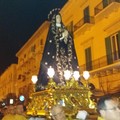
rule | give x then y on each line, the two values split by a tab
19	19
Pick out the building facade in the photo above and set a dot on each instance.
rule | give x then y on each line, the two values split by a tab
29	57
96	30
8	82
95	27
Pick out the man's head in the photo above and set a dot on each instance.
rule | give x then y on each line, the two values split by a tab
11	109
109	108
19	109
58	113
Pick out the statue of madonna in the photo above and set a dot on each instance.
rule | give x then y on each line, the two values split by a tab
59	51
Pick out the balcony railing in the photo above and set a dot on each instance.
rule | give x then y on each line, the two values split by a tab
103	5
101	62
88	19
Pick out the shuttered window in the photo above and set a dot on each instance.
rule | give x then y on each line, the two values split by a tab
113	47
86	15
108	50
88	58
105	3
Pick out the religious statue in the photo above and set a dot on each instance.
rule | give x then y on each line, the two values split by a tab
59	52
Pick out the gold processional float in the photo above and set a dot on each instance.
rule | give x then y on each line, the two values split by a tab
72	96
59	52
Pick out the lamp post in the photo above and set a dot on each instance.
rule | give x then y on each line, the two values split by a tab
51	73
71	78
76	75
67	74
86	76
34	80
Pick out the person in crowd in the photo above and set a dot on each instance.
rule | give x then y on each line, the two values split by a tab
58	113
82	115
4	111
109	107
1	113
20	115
10	113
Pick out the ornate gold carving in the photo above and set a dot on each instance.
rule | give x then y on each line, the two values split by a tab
72	96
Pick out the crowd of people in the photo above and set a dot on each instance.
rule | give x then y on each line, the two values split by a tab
108	108
16	112
13	112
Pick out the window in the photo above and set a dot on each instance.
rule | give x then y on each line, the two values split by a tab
88	58
24	55
86	15
113	47
41	42
105	3
33	48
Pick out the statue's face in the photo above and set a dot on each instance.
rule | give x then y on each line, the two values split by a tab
58	19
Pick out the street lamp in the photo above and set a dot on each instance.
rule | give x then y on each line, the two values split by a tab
34	80
11	101
51	72
76	75
67	74
86	76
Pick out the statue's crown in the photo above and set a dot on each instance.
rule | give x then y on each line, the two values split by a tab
52	13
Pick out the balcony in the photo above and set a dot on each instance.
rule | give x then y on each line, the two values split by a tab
103	63
104	9
84	24
107	73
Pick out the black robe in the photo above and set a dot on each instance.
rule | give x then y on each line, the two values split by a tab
59	53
